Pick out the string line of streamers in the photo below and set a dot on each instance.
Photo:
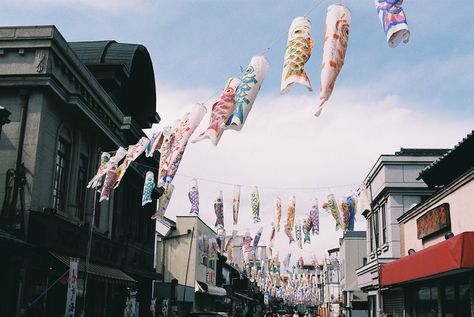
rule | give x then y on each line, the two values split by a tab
230	112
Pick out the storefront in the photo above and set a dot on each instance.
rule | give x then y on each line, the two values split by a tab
436	281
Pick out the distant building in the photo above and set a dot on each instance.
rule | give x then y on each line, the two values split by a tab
189	280
69	102
392	188
353	255
330	286
436	269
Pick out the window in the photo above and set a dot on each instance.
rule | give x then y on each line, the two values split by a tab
384	224
376	229
61	173
81	186
371	234
364	261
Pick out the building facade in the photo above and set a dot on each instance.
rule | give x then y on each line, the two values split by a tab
353	255
189	272
392	188
436	269
69	102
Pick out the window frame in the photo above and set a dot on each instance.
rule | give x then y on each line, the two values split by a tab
59	201
383	214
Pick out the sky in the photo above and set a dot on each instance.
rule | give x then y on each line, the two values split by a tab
416	95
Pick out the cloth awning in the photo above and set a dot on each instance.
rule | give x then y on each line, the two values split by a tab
201	287
243	296
99	271
453	254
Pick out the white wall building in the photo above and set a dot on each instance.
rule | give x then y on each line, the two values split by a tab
392	188
353	255
436	269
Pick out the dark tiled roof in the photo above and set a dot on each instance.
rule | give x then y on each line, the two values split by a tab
452	164
134	91
106	52
420	152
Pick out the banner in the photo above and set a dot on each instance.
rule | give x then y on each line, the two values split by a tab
72	287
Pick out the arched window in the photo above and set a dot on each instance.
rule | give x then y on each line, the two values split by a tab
61	168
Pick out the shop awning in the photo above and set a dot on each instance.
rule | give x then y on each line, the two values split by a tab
201	287
243	296
99	271
453	254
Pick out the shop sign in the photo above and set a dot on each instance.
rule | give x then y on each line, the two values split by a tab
72	288
435	220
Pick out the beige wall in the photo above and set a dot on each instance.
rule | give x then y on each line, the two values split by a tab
177	250
460	197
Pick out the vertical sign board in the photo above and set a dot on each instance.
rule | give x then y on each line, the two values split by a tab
72	287
164	310
265	298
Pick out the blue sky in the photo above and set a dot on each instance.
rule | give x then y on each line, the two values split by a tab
416	95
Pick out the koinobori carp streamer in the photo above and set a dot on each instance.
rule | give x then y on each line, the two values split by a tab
298	52
247	91
336	36
393	20
220	113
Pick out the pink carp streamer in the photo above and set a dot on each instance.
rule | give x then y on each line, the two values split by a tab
107	163
393	20
148	187
272	235
165	152
133	152
185	128
336	36
247	91
247	247
110	179
278	213
221	112
193	196
298	52
219	209
236	204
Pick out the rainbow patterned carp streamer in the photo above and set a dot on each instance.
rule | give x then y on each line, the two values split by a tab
247	91
184	129
336	36
220	113
193	196
298	51
219	210
394	21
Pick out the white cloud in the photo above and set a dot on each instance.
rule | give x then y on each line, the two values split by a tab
283	145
